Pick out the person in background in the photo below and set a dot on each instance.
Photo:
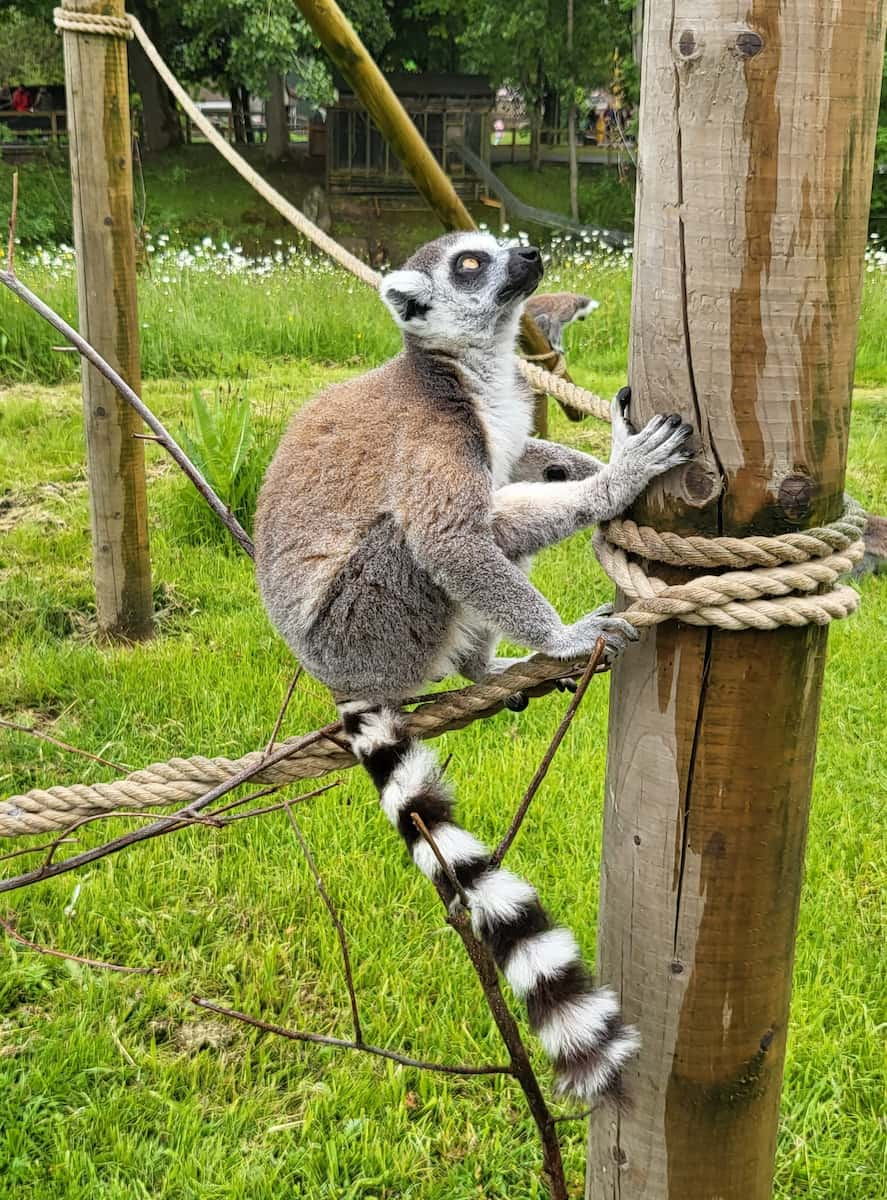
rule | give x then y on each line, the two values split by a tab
21	99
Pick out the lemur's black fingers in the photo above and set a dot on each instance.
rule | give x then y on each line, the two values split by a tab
567	685
623	399
518	702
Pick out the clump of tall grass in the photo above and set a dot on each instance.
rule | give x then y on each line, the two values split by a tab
232	448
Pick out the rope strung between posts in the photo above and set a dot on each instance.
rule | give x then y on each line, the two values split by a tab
778	582
539	379
766	582
182	779
779	585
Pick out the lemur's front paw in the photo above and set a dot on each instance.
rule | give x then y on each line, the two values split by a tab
663	443
581	638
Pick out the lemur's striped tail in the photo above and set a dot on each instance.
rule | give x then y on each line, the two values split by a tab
579	1025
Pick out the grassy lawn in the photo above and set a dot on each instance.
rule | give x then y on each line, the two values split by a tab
117	1086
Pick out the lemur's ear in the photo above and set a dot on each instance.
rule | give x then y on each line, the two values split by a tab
408	296
543	320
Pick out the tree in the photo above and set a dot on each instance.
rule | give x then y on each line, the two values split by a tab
30	52
524	43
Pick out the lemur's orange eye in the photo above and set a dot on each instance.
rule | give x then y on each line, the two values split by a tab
469	263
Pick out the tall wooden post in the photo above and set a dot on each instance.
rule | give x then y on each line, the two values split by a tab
756	144
97	89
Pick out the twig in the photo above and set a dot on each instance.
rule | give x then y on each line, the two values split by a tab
87	962
286	703
337	924
542	770
36	849
521	1067
13	217
9	280
47	737
170	824
444	865
319	1039
579	1116
270	808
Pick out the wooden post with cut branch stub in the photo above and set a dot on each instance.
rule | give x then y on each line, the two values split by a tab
756	147
97	88
351	57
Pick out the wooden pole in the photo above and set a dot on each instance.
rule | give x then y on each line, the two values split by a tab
97	87
351	57
756	148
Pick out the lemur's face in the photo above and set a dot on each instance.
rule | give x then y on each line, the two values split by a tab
464	289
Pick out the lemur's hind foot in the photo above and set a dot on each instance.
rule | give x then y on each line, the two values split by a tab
579	1025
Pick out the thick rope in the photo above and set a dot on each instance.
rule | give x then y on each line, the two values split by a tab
182	779
771	582
541	380
762	596
98	23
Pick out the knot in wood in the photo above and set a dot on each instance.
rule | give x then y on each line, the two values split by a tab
689	47
749	43
796	495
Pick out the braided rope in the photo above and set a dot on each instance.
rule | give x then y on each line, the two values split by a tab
780	585
98	23
183	779
565	390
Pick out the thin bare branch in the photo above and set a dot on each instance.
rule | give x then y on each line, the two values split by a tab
87	962
542	769
286	703
36	849
337	924
13	217
9	280
270	808
579	1116
444	865
320	1039
47	737
170	824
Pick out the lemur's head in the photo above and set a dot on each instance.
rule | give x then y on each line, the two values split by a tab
463	289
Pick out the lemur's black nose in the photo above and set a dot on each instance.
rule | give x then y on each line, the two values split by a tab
530	254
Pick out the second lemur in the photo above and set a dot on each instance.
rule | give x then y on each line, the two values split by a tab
394	531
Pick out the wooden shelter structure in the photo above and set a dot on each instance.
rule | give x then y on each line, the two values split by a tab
444	109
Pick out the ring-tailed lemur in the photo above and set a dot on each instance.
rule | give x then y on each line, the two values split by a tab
554	311
393	532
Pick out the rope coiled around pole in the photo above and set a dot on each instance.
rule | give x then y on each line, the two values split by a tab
767	582
779	580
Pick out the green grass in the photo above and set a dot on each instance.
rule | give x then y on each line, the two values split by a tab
604	198
117	1087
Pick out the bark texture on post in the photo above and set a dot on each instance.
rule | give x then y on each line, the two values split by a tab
97	89
756	144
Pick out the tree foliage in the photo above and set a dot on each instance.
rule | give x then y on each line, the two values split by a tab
30	51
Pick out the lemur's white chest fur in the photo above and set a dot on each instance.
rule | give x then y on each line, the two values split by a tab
504	405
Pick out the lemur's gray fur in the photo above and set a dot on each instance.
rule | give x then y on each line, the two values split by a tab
394	530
